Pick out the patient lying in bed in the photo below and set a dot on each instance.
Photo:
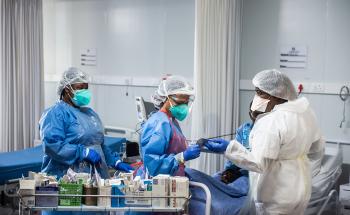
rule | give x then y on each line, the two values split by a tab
230	173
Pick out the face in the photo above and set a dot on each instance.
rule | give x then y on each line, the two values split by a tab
253	114
229	175
67	94
179	99
78	86
273	101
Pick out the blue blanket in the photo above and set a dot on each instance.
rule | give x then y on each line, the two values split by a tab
226	198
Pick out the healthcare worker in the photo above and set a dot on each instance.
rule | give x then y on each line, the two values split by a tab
72	134
164	147
285	133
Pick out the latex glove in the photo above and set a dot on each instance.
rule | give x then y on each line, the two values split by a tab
119	165
217	145
91	156
242	134
192	152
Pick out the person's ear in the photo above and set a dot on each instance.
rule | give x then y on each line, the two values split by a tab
67	92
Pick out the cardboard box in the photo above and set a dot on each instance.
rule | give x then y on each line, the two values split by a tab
179	187
139	202
120	191
160	187
27	191
46	201
104	201
126	177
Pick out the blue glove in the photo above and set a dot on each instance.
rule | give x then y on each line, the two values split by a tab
242	134
91	156
123	166
192	152
217	145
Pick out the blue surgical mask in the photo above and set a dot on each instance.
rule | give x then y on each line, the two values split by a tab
81	97
179	111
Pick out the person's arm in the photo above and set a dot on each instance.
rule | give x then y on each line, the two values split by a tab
111	157
53	135
259	158
315	155
155	141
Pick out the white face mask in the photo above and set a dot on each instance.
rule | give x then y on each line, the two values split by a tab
259	104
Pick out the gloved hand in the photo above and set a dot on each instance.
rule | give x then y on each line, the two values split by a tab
217	145
119	165
91	156
192	152
242	134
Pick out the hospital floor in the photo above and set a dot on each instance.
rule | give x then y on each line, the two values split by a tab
8	211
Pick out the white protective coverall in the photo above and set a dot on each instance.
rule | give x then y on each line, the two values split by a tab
280	173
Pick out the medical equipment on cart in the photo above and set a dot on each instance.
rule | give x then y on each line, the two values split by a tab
160	194
14	165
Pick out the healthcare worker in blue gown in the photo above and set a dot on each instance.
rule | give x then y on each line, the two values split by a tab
164	147
72	134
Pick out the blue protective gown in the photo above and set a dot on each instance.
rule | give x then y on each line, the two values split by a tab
156	135
64	131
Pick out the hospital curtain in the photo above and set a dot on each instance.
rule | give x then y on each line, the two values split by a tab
21	73
216	76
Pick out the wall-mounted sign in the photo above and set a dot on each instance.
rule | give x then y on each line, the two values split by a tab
293	57
88	57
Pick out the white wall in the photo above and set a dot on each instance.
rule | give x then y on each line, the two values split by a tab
321	25
136	41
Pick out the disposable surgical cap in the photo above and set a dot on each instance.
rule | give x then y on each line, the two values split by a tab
71	76
275	83
172	85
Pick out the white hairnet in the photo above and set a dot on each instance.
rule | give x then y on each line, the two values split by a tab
275	83
172	85
71	76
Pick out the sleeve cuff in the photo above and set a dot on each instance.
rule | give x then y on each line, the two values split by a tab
180	157
117	162
81	150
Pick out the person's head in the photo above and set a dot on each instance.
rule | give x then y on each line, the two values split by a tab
272	88
174	95
73	87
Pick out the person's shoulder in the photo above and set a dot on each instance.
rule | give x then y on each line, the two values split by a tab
88	110
56	111
57	108
158	116
273	122
157	119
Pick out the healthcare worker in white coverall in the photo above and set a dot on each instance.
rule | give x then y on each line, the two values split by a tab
284	141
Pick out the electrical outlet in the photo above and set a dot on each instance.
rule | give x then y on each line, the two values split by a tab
318	88
127	81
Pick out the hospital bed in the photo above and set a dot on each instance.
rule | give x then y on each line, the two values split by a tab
324	196
229	199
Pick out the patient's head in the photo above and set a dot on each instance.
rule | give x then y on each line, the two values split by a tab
230	175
